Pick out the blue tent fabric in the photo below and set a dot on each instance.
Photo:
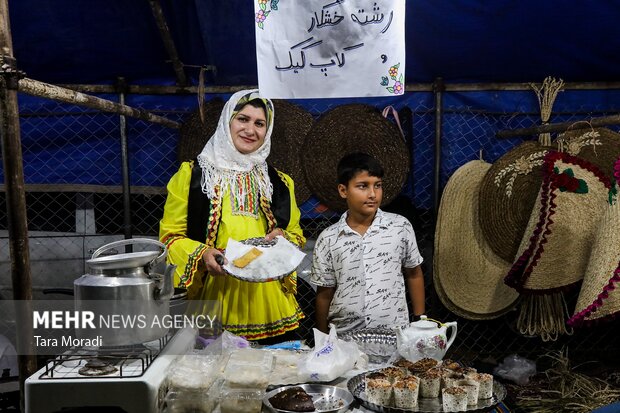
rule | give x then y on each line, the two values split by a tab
63	41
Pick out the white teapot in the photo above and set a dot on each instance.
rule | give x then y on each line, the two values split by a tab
425	338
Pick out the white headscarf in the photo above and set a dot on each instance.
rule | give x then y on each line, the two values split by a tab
222	164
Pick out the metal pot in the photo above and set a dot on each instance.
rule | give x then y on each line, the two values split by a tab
129	300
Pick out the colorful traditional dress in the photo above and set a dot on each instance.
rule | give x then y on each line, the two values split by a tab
252	310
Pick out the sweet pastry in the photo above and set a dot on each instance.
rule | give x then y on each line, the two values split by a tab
294	399
247	258
406	392
393	373
454	399
430	383
403	363
486	384
379	391
422	365
472	388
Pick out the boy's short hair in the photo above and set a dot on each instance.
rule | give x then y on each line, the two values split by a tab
356	162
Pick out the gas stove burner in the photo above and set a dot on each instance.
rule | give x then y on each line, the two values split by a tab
97	367
121	351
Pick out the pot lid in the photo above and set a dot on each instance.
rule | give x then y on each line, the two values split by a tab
120	261
426	323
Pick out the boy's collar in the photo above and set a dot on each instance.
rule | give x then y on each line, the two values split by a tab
344	227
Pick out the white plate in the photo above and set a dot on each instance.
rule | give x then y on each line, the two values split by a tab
280	258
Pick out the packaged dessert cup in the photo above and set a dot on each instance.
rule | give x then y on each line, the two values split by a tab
486	384
430	383
472	388
379	391
406	392
454	399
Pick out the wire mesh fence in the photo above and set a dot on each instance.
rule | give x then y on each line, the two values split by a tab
73	172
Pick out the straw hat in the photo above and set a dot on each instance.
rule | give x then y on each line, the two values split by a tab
556	245
290	127
194	134
599	299
507	194
600	146
467	274
353	128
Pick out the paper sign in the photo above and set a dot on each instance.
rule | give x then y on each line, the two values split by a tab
330	48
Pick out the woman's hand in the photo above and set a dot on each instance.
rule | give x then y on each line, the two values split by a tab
274	233
210	257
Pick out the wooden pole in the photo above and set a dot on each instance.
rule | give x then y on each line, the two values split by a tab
560	127
16	202
166	37
45	90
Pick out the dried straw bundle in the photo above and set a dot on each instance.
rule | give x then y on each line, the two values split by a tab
568	390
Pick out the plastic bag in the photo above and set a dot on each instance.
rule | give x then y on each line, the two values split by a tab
516	369
226	343
330	358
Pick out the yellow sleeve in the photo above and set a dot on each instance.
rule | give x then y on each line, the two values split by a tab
293	231
183	252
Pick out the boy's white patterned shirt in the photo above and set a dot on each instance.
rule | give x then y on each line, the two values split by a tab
366	271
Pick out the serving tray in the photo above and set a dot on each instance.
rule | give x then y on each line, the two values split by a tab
378	343
357	387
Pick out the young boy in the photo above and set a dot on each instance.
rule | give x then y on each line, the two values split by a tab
361	263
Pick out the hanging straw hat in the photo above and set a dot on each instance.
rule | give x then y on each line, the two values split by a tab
507	194
600	146
290	127
556	245
353	128
194	133
599	299
467	274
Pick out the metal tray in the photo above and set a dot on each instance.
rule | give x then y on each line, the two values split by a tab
378	343
326	399
357	387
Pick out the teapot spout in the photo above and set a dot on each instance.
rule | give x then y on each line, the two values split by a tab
166	289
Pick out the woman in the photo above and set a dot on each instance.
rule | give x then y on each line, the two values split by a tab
230	192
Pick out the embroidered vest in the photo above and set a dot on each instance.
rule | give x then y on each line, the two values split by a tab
203	216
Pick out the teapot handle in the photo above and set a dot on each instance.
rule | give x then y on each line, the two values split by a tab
450	326
133	241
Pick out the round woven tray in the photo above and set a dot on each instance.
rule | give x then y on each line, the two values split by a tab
353	128
291	125
194	134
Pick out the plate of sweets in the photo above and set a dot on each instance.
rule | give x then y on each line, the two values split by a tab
261	260
317	398
427	385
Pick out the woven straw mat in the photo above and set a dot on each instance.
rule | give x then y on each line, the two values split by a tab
467	274
507	194
193	134
291	125
353	128
599	298
557	241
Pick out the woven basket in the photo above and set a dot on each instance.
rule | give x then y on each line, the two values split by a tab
599	298
194	134
353	128
467	274
291	125
557	242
